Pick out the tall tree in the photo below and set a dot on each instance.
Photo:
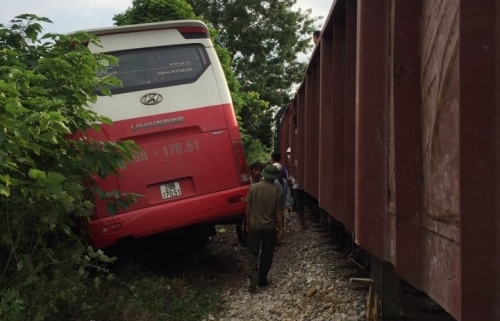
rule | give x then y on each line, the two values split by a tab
144	11
265	38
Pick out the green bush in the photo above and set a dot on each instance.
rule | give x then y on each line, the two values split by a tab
147	296
255	151
46	177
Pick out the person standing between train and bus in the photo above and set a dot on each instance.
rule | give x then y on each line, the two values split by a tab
299	197
265	226
255	169
276	159
282	185
255	172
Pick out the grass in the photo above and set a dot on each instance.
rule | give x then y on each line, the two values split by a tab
141	292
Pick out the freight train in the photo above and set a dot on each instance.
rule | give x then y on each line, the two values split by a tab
395	131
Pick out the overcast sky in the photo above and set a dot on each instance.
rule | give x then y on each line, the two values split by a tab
72	15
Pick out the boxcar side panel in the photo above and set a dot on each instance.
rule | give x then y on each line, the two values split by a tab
440	145
440	104
441	271
407	137
371	127
312	130
326	151
479	163
300	134
293	139
350	111
338	141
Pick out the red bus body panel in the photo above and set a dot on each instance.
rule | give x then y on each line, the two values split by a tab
168	216
195	152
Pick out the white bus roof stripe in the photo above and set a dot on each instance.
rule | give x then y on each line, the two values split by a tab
146	27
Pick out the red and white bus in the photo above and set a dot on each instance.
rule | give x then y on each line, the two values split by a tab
175	104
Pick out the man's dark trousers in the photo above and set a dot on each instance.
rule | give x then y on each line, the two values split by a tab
260	241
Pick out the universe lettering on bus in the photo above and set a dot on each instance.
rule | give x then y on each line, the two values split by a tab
188	146
157	123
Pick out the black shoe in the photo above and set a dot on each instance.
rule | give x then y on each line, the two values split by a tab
263	284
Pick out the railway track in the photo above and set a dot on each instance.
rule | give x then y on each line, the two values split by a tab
413	305
312	275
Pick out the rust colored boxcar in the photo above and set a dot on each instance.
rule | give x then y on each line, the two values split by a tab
395	130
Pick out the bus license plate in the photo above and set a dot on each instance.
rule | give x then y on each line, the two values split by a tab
169	190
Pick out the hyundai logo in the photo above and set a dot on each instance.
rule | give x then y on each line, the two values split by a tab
151	99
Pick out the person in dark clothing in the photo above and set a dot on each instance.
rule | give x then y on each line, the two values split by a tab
265	225
298	195
255	168
276	158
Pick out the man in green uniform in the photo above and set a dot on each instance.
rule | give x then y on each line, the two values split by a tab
264	217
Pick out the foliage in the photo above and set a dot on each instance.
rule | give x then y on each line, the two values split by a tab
265	38
137	294
144	11
256	152
46	176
